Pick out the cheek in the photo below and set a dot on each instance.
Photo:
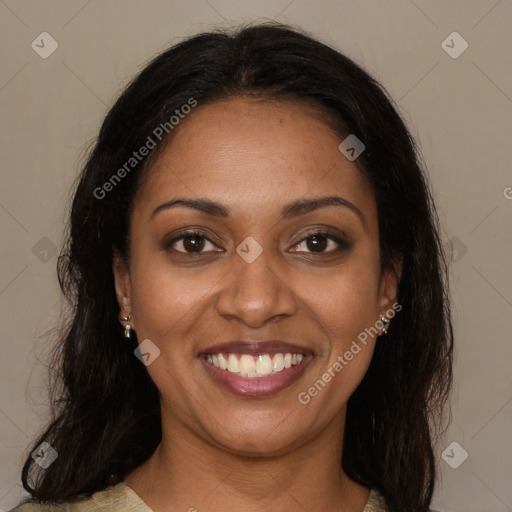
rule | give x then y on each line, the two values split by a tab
346	302
345	307
166	303
345	315
164	298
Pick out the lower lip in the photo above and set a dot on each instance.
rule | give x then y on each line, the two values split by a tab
256	386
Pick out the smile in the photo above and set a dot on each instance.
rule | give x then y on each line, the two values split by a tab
255	375
247	365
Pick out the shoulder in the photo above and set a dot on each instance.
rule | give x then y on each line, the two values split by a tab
119	498
377	503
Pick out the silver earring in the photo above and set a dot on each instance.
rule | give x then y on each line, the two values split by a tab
385	324
127	327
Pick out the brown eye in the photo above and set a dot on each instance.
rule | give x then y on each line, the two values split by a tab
322	242
190	242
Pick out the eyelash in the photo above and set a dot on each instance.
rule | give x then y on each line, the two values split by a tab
342	244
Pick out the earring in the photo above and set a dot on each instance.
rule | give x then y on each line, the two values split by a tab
385	324
127	327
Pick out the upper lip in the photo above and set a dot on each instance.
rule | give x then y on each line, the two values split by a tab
254	347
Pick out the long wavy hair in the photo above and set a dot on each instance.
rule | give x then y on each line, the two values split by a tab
105	411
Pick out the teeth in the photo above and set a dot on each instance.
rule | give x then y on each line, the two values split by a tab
278	362
264	365
223	364
233	366
247	364
254	366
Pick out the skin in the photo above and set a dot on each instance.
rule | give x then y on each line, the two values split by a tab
220	451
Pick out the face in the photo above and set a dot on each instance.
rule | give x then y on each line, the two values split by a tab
256	260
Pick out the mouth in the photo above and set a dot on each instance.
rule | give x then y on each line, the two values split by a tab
255	368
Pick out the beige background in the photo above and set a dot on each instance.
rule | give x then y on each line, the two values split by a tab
460	110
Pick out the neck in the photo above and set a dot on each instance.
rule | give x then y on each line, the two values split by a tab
188	473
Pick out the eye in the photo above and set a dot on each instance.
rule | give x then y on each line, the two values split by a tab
190	242
319	241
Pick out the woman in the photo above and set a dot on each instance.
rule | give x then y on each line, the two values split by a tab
259	301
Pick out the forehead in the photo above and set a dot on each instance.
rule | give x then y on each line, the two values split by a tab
247	152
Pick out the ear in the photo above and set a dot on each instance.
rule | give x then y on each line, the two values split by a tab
122	284
388	286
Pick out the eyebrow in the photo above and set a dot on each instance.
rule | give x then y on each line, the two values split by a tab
289	211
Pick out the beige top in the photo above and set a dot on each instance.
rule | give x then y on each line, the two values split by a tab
121	498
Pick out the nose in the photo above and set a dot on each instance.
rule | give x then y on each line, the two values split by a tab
256	292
